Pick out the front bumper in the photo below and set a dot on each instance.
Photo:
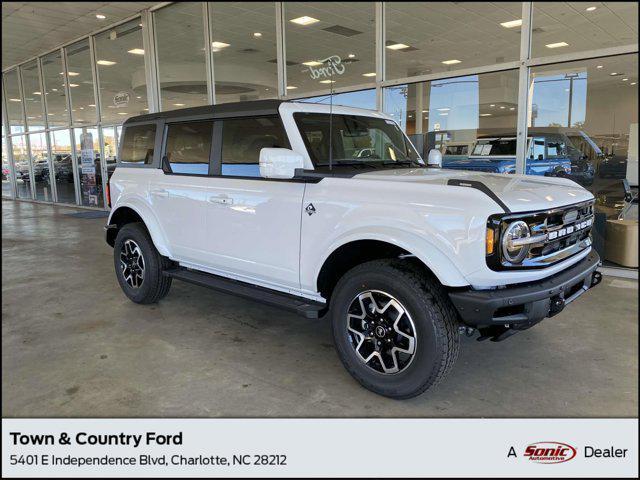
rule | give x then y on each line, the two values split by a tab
520	307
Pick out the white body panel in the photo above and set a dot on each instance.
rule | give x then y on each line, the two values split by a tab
257	230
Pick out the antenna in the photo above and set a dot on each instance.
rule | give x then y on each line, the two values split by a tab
330	113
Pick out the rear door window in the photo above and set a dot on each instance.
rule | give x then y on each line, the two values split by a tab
188	147
138	144
242	140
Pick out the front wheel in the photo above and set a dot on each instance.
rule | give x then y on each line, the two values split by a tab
139	266
395	329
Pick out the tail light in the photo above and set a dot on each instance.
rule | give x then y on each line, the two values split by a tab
108	192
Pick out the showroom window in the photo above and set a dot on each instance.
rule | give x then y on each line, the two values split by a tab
138	144
123	88
568	27
242	140
329	44
83	102
455	115
188	147
13	102
7	190
244	50
181	55
21	166
110	137
62	156
54	90
40	166
359	99
32	96
592	107
87	146
432	37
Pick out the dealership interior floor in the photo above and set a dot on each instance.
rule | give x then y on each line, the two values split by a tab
73	345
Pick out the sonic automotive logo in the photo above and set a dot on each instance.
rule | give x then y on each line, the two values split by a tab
549	452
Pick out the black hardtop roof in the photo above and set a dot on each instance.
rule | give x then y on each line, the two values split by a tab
253	107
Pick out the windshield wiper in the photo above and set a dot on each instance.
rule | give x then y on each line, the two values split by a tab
403	162
347	162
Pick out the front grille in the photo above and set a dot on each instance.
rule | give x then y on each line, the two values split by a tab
562	232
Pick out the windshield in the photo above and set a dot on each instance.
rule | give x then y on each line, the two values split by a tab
356	140
495	146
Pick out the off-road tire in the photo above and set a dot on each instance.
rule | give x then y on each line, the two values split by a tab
435	319
155	285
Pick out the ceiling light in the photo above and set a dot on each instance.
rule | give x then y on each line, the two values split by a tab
444	109
14	100
327	81
397	46
632	83
312	63
92	104
100	16
451	62
122	113
492	105
502	107
352	55
625	79
485	114
425	111
71	74
257	34
304	20
557	45
37	93
106	63
599	66
136	51
512	108
179	104
73	85
443	114
512	23
591	9
291	87
370	74
219	45
613	74
138	97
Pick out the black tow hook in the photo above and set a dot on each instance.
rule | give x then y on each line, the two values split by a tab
596	278
557	305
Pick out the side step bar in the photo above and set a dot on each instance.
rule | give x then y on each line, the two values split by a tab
301	306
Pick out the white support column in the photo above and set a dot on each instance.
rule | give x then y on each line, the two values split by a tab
150	62
208	38
74	163
281	54
5	120
98	97
380	53
523	87
32	183
52	173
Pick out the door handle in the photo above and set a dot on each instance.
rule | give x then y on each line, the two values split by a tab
160	193
222	199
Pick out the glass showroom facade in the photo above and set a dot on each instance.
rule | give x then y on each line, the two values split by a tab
542	88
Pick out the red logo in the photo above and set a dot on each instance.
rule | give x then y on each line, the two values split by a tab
550	452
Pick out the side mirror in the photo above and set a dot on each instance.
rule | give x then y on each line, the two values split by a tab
279	162
434	160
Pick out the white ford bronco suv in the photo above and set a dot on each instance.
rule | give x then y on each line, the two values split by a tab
330	211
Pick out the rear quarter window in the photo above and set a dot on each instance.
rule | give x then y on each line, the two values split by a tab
138	143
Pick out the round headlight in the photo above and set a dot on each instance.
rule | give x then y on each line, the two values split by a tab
511	251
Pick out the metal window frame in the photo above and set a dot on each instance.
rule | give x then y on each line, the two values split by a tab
281	52
208	38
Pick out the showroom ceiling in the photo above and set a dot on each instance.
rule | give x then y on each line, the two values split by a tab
32	28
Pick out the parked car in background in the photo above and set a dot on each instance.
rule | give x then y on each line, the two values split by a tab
456	151
549	154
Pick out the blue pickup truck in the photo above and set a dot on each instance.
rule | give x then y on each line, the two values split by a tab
549	154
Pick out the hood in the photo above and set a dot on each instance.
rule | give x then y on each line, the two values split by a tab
520	193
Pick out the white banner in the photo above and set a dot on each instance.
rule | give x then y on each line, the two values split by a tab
320	447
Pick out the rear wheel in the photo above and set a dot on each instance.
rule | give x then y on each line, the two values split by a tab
139	266
394	328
